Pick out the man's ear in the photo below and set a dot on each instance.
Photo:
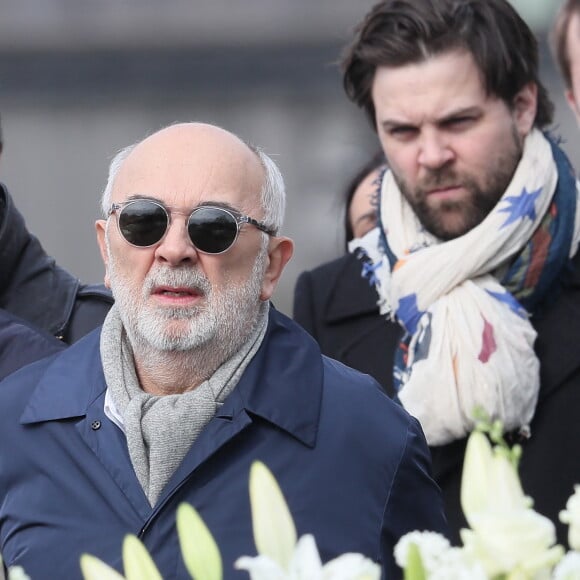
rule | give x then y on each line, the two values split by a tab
280	251
101	228
573	103
525	106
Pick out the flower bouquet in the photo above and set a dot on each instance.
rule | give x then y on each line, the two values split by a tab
506	539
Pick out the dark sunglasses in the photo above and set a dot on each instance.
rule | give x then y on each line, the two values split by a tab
212	230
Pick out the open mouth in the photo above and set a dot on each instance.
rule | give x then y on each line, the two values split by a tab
176	294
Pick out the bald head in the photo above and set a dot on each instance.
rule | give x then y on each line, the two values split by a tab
190	261
197	159
191	160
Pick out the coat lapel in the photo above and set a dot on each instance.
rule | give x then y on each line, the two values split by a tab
351	295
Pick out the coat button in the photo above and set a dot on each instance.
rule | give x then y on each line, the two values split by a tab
95	425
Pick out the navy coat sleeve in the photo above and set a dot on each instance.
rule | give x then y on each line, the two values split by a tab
415	501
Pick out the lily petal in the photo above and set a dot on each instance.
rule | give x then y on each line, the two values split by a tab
476	469
504	484
94	569
351	566
261	568
198	547
137	562
306	561
274	530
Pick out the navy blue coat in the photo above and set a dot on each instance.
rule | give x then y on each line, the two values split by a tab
21	343
353	465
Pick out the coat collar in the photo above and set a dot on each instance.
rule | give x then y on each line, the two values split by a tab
70	383
282	384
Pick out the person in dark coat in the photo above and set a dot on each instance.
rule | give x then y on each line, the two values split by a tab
34	288
476	251
337	305
194	376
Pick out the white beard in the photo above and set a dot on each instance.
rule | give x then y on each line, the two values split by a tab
223	321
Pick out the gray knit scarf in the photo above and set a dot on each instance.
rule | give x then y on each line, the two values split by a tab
161	429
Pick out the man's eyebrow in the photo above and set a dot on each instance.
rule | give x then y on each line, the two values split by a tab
466	111
144	196
220	204
394	124
135	196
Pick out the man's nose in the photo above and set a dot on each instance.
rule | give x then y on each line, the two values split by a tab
435	150
176	247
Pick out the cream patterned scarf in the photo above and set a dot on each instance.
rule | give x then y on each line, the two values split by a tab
464	303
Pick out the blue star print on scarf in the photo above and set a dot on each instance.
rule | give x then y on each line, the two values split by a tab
520	206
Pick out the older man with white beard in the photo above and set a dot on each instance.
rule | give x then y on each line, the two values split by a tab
193	377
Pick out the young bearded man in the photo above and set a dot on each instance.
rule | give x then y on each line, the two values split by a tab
475	253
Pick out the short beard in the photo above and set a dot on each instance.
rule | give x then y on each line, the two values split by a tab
471	212
220	325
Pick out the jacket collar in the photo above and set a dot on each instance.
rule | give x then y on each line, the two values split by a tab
351	295
282	384
70	383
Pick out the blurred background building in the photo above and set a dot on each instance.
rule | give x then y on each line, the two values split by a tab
80	79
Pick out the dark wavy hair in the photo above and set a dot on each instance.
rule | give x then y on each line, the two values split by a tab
560	38
399	32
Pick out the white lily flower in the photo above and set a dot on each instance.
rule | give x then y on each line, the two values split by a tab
431	546
568	568
571	516
519	539
489	480
17	573
506	535
14	572
351	567
305	564
261	568
454	564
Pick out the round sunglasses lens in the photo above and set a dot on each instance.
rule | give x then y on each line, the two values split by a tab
212	230
142	223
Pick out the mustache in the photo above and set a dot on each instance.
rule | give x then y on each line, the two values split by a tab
439	179
177	277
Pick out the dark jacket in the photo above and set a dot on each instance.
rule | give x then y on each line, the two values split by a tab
353	466
550	465
338	307
21	344
355	334
35	288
